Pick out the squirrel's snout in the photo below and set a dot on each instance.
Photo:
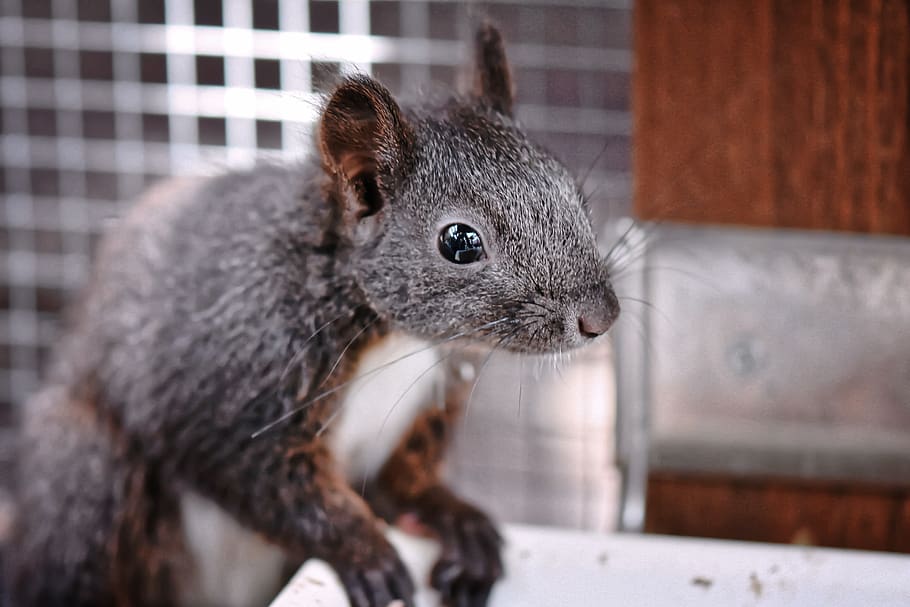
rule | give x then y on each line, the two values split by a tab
596	318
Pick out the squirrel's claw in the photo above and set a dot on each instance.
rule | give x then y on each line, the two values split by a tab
378	583
470	562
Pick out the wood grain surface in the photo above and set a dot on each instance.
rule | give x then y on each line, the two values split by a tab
775	510
773	113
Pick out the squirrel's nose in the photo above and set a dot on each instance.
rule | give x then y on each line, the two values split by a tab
595	319
593	324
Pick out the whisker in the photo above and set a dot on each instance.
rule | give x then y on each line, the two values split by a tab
483	366
557	356
625	247
593	164
532	317
388	414
521	373
636	314
394	405
619	250
536	333
634	252
628	256
329	421
640	329
646	303
538	304
345	350
298	355
318	397
703	280
632	224
590	196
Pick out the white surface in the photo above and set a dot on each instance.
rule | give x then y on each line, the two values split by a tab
233	566
547	567
398	375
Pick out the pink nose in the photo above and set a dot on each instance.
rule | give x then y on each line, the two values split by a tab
596	317
592	324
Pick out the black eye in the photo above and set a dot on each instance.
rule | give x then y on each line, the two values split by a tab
460	243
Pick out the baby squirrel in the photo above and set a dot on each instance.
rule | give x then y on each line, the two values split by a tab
226	319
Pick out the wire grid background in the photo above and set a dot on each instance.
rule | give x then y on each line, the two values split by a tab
99	98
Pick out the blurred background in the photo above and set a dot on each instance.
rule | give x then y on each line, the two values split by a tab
758	384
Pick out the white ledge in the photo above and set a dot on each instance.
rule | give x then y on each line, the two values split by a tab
548	567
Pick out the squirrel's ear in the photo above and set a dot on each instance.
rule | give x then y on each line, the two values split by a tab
364	140
492	76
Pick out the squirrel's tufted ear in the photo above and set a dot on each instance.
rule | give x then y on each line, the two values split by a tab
364	139
492	76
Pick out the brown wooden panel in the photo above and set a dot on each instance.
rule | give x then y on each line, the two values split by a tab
833	515
902	527
774	113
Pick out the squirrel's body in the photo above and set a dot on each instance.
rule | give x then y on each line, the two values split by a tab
227	321
165	342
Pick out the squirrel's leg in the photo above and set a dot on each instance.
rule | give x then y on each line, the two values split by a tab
285	485
409	489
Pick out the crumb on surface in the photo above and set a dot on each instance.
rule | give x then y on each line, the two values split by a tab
755	585
704	582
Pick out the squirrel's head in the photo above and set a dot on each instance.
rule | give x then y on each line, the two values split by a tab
459	223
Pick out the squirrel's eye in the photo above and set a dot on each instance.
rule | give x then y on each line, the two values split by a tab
460	243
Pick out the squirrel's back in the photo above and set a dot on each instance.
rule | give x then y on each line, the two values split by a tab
214	279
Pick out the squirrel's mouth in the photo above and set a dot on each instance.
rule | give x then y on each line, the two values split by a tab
548	334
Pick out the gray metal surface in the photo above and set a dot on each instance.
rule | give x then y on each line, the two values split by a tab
625	245
774	352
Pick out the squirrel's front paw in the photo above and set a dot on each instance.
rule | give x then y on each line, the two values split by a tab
373	575
470	562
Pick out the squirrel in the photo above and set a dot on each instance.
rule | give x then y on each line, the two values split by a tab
226	321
